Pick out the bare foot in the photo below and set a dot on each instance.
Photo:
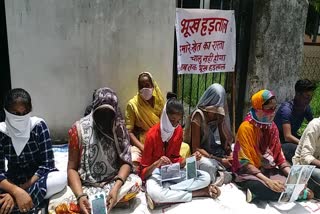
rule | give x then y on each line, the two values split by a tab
214	191
211	191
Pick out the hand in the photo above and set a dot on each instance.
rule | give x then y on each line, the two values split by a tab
229	158
7	203
163	161
203	152
227	148
226	163
112	199
25	186
197	155
84	205
275	185
23	199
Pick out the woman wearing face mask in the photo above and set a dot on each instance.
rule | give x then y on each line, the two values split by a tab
258	160
143	111
162	147
100	155
210	132
25	142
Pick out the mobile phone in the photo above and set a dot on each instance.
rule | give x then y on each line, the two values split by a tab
98	203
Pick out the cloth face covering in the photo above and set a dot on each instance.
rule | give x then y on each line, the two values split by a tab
146	93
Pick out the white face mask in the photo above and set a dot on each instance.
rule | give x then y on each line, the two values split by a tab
18	124
166	127
146	93
18	128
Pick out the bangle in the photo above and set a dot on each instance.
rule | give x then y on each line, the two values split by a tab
119	178
81	195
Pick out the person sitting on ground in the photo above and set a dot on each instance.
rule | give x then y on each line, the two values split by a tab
210	131
100	155
143	111
308	153
162	146
25	143
258	160
291	114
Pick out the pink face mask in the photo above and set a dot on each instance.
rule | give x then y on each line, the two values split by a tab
146	93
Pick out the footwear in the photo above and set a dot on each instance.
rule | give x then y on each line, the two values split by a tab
249	196
149	202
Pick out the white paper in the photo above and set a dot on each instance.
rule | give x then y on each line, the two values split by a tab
296	182
170	172
206	41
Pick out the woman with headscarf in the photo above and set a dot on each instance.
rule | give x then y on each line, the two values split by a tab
258	160
30	175
100	156
209	132
162	147
143	111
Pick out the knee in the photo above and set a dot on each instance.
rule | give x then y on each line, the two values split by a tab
207	166
155	191
204	177
159	195
134	179
60	179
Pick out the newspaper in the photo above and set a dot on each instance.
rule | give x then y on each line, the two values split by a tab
296	182
170	172
191	167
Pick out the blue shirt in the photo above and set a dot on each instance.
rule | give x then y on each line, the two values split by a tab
287	113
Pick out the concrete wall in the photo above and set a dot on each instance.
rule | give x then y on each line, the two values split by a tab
276	47
60	51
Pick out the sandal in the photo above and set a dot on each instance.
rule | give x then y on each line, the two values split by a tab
214	191
249	196
150	202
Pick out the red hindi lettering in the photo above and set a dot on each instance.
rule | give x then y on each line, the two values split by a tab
185	48
212	67
222	57
221	25
204	27
217	45
189	24
206	45
203	68
221	66
192	67
198	58
208	58
183	67
196	46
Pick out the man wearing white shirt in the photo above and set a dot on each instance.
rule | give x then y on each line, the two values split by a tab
308	153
